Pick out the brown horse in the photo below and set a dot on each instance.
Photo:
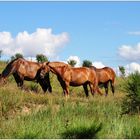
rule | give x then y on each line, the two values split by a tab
69	76
22	70
105	75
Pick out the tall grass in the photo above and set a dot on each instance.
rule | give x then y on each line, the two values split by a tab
27	114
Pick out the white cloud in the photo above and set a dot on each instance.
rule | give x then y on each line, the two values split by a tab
129	52
134	33
41	41
132	67
76	58
129	68
98	64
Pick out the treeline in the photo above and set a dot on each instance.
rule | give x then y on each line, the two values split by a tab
72	62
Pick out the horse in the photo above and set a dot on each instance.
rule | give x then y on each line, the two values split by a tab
105	75
22	70
70	76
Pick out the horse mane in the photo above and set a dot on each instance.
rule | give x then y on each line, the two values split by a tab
9	69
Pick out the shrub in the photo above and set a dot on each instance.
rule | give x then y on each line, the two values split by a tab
34	87
131	103
87	63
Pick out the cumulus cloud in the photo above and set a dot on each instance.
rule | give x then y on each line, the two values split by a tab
129	52
132	67
41	41
76	58
98	64
129	69
134	33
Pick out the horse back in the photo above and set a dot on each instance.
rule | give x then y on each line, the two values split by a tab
28	69
104	74
57	64
82	75
110	71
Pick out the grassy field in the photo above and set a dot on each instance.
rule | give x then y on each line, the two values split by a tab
31	114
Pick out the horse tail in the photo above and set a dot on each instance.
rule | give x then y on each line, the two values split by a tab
10	68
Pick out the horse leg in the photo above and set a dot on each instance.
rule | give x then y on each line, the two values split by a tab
64	85
47	78
92	89
21	82
112	86
98	90
85	89
66	88
43	85
18	80
106	88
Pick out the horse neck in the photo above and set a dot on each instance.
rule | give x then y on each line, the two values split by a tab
37	65
56	70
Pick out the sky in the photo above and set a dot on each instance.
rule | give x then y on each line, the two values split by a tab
105	33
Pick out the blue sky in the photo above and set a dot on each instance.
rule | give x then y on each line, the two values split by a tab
96	31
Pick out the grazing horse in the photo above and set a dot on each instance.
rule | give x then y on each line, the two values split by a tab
69	76
22	70
105	75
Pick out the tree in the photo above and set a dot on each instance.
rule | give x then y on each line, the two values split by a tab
87	63
17	55
0	53
131	102
72	62
122	70
41	58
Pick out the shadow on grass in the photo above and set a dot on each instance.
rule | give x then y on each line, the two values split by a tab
82	132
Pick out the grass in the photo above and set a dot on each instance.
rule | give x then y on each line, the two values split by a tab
30	114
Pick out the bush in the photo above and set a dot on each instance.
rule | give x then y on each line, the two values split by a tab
87	63
131	103
34	87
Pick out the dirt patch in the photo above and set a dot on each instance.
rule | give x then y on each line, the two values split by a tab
28	109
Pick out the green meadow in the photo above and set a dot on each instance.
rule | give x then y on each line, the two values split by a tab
30	113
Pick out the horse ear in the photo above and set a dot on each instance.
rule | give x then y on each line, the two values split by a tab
45	63
65	67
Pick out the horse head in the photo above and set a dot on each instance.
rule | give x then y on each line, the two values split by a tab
44	69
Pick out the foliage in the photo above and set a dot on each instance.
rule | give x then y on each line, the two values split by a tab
0	53
122	70
17	55
87	63
34	87
41	58
72	62
131	103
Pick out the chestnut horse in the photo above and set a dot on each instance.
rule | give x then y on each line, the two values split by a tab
69	76
105	75
22	70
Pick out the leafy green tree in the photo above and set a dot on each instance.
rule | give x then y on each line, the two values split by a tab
17	55
131	103
41	58
122	70
87	63
72	62
0	53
